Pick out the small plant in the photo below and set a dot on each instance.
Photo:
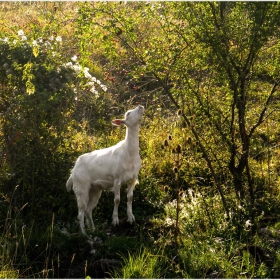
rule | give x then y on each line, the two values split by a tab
7	273
177	163
142	264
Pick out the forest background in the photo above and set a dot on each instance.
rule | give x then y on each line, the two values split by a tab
207	205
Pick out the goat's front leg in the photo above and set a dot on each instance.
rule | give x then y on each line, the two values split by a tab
130	189
116	190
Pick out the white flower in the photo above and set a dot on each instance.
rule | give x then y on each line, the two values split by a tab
93	79
58	39
74	58
87	75
34	43
69	64
104	87
248	223
23	38
169	221
94	91
20	33
190	191
47	44
77	68
51	38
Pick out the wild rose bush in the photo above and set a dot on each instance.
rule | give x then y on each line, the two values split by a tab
19	56
43	95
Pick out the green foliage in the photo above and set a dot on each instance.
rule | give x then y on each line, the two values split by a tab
200	208
8	273
213	258
142	264
208	72
40	95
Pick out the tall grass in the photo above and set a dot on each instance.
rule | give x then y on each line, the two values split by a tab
20	247
12	238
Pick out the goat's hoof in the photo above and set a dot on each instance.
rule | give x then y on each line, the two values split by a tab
131	219
115	222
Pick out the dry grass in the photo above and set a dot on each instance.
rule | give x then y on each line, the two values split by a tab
25	15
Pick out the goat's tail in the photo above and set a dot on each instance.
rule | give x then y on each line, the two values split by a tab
69	183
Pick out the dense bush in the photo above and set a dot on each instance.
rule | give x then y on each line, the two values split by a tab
39	99
208	200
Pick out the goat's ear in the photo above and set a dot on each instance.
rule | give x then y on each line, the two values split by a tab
117	122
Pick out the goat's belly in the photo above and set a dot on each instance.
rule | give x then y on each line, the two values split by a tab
103	184
109	183
129	177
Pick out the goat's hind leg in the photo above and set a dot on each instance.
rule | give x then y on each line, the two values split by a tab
81	218
82	201
94	196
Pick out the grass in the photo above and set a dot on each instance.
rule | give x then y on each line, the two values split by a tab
8	273
208	245
145	250
141	264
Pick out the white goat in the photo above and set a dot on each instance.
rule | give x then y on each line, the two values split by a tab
108	168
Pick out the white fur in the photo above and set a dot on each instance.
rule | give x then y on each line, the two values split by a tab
108	168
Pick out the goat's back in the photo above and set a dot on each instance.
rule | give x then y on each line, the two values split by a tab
103	167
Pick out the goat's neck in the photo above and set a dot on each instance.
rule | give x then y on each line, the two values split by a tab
132	140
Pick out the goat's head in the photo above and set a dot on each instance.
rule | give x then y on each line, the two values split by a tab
131	117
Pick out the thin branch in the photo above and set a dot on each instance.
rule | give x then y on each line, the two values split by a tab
261	116
195	133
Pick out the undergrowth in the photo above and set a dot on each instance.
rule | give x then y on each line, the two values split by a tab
53	110
147	249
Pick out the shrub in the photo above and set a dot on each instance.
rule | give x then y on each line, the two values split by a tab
41	117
